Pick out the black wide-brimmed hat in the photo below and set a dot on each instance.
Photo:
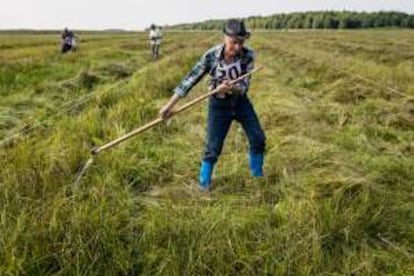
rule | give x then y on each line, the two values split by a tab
235	28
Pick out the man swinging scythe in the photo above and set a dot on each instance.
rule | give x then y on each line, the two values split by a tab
224	63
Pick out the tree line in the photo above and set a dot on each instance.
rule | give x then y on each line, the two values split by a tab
314	20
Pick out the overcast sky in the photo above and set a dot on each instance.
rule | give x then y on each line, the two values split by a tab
138	14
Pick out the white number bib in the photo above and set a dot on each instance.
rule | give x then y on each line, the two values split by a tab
228	71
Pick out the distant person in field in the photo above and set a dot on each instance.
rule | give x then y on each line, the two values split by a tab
155	37
225	62
68	40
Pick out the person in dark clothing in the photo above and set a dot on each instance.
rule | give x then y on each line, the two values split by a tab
68	41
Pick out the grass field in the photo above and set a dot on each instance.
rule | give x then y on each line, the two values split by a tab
338	197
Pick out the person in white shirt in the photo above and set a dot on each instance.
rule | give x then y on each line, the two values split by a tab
155	37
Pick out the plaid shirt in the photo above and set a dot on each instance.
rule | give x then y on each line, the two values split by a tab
210	63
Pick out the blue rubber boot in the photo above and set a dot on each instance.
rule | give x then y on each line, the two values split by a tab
206	170
256	164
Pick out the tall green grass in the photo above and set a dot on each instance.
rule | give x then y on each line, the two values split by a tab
337	198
